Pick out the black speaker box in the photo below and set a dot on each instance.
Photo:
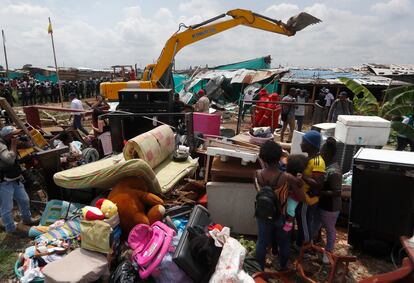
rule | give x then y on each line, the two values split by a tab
382	197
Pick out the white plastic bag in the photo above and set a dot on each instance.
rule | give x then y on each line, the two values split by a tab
229	266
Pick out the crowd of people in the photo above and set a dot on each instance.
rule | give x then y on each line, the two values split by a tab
31	91
292	111
308	191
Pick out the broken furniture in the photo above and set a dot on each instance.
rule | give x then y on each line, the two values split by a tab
225	153
105	173
404	274
33	117
381	198
337	263
231	192
156	148
49	159
50	163
147	155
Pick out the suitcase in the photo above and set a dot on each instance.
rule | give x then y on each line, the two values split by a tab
182	255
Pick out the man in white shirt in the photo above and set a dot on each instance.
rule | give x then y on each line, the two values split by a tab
329	98
248	96
203	103
288	115
77	117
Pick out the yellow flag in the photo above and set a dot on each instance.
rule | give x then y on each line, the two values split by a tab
49	29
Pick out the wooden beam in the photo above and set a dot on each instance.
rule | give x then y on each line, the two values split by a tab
61	109
6	106
313	93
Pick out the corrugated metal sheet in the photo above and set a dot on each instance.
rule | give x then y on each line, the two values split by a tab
240	76
392	69
331	76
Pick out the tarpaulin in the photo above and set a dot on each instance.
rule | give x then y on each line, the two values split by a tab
254	64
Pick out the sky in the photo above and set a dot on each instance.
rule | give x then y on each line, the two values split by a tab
98	34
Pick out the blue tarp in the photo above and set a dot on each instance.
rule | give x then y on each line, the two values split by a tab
179	81
42	78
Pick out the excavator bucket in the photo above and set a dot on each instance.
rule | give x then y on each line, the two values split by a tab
301	21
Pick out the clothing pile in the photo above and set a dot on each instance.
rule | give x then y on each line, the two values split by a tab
30	264
186	246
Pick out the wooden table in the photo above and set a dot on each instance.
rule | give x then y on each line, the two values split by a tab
232	170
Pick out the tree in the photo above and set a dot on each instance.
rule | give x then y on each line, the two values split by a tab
397	102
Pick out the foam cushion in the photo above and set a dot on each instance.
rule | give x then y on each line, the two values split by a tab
83	266
105	173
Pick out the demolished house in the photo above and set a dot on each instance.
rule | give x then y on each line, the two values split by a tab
229	81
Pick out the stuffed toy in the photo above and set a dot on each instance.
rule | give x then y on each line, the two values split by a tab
92	213
108	208
135	204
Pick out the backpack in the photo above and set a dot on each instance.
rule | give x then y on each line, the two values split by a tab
150	245
267	204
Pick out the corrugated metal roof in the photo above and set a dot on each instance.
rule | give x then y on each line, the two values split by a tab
331	76
392	69
240	76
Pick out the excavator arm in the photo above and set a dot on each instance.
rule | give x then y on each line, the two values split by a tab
209	28
158	75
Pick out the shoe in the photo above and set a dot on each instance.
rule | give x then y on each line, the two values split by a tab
325	259
288	226
32	221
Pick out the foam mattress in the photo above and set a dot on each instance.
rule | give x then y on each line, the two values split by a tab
105	173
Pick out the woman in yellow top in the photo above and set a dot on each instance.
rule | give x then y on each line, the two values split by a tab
313	178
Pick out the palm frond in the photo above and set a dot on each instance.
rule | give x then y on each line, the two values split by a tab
390	93
365	105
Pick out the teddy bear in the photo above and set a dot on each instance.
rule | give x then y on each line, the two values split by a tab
135	204
108	208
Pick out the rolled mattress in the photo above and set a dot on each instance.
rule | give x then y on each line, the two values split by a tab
105	173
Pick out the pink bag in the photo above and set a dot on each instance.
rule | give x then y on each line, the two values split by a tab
150	245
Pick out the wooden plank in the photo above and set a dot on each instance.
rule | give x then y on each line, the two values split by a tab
6	106
50	116
61	109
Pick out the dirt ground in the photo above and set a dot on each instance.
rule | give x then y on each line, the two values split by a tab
365	266
10	247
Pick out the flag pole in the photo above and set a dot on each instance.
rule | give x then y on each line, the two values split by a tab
5	53
50	30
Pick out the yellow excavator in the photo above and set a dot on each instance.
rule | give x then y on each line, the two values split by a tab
159	75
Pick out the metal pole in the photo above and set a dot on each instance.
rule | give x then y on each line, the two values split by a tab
239	116
56	67
5	53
